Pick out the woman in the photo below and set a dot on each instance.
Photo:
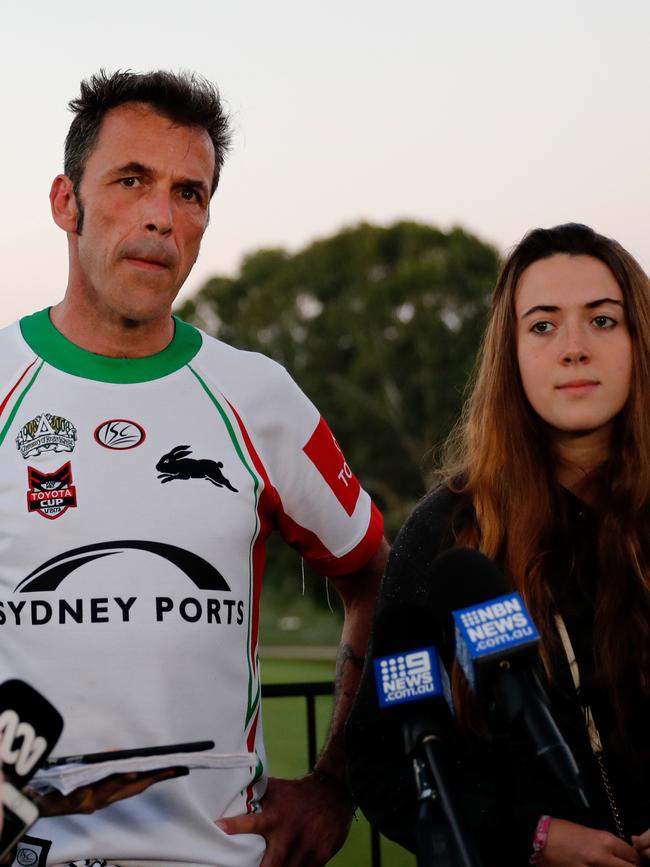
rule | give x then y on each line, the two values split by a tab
548	473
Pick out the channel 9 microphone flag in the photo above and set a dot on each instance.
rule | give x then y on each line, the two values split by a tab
497	647
412	675
413	687
29	729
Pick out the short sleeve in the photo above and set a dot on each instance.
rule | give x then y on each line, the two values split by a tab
320	508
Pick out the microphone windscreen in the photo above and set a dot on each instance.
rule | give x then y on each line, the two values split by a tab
461	577
404	627
29	729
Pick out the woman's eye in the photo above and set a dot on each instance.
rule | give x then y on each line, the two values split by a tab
603	321
542	327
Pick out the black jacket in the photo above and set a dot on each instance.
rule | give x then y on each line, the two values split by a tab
502	788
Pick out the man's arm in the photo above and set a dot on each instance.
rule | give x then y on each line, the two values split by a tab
358	591
305	822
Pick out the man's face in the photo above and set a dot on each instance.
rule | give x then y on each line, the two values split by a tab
145	193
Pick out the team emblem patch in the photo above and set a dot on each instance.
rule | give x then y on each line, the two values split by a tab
46	433
31	852
177	465
51	494
120	434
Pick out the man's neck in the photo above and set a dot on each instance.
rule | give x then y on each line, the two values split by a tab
111	334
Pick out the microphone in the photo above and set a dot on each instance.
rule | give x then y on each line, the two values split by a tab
29	729
497	648
413	686
410	678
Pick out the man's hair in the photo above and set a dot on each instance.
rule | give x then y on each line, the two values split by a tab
185	98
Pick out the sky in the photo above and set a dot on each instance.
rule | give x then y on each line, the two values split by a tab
496	116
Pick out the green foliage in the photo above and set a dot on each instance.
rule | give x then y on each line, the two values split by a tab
380	327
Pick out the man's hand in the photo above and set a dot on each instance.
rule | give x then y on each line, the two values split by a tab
88	799
304	822
571	845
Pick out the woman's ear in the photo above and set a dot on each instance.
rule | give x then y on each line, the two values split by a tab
63	202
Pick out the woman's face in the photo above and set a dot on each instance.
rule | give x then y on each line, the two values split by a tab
573	344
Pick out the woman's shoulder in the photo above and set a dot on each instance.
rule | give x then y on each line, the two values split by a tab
431	523
427	531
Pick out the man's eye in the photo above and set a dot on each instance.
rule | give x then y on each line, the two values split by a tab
129	182
190	194
603	321
542	327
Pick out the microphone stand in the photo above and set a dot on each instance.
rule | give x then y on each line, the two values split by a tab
432	836
441	839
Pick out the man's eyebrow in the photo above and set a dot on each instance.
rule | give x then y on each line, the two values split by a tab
132	168
591	305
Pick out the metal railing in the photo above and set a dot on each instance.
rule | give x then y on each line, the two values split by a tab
310	691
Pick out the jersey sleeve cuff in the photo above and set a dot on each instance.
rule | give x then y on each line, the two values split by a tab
361	554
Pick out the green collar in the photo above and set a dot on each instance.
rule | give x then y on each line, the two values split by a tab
50	345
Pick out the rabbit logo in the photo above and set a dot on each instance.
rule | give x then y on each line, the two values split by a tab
177	465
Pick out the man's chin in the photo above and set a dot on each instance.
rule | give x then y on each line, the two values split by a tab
145	303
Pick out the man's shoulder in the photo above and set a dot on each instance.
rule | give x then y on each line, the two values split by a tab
247	376
228	358
13	349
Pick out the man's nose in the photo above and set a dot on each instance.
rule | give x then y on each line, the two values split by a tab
157	214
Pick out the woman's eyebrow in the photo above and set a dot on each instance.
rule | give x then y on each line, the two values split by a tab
540	308
600	301
550	308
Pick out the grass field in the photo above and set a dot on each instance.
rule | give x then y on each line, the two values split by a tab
285	729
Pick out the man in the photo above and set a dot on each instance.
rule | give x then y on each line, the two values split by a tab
144	465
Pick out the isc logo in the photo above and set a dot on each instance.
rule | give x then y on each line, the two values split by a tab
407	676
20	746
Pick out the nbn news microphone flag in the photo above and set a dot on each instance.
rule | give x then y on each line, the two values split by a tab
490	630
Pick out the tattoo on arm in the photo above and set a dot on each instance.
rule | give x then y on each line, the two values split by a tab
346	656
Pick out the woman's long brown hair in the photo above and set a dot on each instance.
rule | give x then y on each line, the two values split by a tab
500	456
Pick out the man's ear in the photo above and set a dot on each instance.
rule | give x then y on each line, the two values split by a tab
63	202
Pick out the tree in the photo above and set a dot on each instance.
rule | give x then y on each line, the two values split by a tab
379	326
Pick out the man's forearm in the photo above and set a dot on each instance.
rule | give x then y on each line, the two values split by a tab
359	593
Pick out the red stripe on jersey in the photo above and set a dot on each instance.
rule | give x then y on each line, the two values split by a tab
324	452
250	745
321	558
267	508
20	379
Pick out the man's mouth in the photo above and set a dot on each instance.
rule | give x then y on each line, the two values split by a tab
149	256
147	264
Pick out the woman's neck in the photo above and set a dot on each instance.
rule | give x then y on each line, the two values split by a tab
578	456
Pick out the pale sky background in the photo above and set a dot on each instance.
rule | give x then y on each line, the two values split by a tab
498	116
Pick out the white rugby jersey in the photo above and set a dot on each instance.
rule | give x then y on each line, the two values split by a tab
136	497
